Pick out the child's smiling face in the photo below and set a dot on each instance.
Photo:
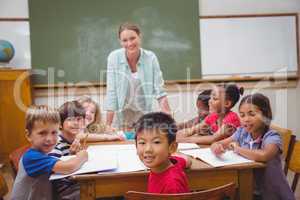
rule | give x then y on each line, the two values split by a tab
72	126
215	101
218	102
203	109
252	118
154	149
43	136
90	112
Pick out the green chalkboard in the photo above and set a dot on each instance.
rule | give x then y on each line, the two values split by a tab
71	39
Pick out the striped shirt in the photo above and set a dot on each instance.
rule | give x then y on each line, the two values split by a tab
64	188
62	147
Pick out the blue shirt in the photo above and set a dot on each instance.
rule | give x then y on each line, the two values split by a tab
270	182
32	181
37	163
117	81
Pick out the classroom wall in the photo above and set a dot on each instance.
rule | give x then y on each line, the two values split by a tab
287	106
285	101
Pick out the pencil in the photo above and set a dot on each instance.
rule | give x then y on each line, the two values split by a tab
84	140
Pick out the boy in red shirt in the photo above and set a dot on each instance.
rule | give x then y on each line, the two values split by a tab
155	142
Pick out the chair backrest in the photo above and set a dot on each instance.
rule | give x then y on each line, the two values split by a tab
294	163
218	193
15	156
287	142
3	186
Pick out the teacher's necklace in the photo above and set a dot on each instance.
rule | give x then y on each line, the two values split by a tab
132	61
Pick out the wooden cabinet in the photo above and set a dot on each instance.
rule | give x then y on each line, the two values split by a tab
15	97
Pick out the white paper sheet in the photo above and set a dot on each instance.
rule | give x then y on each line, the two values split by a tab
114	147
182	146
127	158
128	161
97	148
96	162
228	158
113	158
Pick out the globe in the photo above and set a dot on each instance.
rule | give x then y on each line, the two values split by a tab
7	51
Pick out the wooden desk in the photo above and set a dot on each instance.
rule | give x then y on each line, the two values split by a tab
201	176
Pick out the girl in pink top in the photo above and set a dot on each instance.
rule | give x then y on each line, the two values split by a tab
221	122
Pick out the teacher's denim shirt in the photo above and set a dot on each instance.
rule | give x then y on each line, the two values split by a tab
117	80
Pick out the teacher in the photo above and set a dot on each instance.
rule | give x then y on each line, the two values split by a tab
134	80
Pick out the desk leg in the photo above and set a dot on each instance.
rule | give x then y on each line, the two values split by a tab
88	190
245	184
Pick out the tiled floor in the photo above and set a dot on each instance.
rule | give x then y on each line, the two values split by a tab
9	178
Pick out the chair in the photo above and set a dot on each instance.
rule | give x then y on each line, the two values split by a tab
218	193
287	142
3	186
15	156
294	164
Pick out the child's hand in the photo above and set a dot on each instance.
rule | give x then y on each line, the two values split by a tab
110	129
228	130
83	155
121	137
115	137
80	136
233	146
75	146
204	130
185	132
217	149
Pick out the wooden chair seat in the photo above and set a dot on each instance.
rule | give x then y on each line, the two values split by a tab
294	164
287	142
218	193
15	156
3	186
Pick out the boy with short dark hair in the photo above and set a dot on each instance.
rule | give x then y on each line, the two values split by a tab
35	166
155	142
72	116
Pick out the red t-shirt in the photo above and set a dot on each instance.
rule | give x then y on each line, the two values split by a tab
231	118
172	180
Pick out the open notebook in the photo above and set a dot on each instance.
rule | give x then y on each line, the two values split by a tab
94	164
107	158
205	154
113	159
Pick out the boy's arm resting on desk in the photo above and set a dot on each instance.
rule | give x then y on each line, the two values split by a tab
71	165
187	159
93	137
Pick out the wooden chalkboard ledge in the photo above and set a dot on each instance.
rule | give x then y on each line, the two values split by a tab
193	81
171	86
